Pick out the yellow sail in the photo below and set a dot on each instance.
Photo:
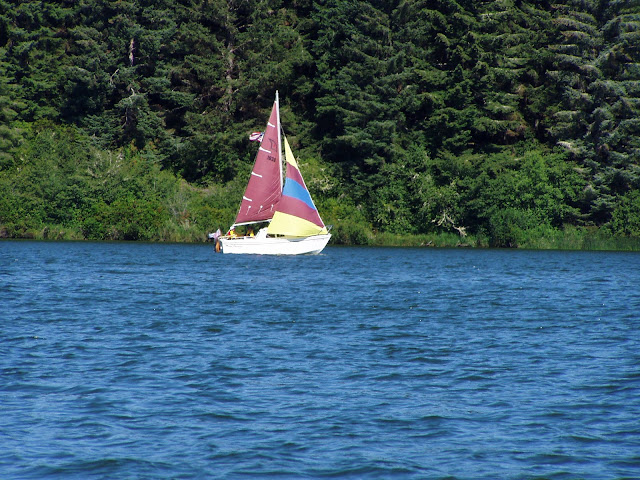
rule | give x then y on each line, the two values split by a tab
292	226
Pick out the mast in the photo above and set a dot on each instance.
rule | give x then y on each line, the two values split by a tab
278	126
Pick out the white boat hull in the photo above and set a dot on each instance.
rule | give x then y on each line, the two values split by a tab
275	245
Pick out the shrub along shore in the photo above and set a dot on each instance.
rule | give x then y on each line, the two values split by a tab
61	188
570	239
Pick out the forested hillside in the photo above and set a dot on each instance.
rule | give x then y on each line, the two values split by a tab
499	120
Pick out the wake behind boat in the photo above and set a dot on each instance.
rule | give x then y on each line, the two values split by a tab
294	224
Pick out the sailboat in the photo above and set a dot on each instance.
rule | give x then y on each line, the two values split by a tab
294	224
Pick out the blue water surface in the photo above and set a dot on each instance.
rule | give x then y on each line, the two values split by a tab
156	361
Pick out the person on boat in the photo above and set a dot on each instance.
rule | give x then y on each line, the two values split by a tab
250	232
232	232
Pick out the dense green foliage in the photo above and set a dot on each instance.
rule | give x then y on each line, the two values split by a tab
500	122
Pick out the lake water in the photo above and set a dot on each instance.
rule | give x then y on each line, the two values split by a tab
155	361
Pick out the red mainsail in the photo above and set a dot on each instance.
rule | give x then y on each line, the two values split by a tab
265	184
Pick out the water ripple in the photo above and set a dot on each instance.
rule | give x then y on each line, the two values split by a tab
167	361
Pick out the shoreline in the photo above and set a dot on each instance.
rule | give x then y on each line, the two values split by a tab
570	238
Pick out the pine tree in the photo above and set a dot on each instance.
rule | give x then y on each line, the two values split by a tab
615	122
10	135
236	55
34	36
357	90
514	36
596	119
576	48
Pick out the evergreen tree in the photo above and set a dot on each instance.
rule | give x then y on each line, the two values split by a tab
34	36
10	135
576	48
357	92
514	36
615	120
237	53
597	114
